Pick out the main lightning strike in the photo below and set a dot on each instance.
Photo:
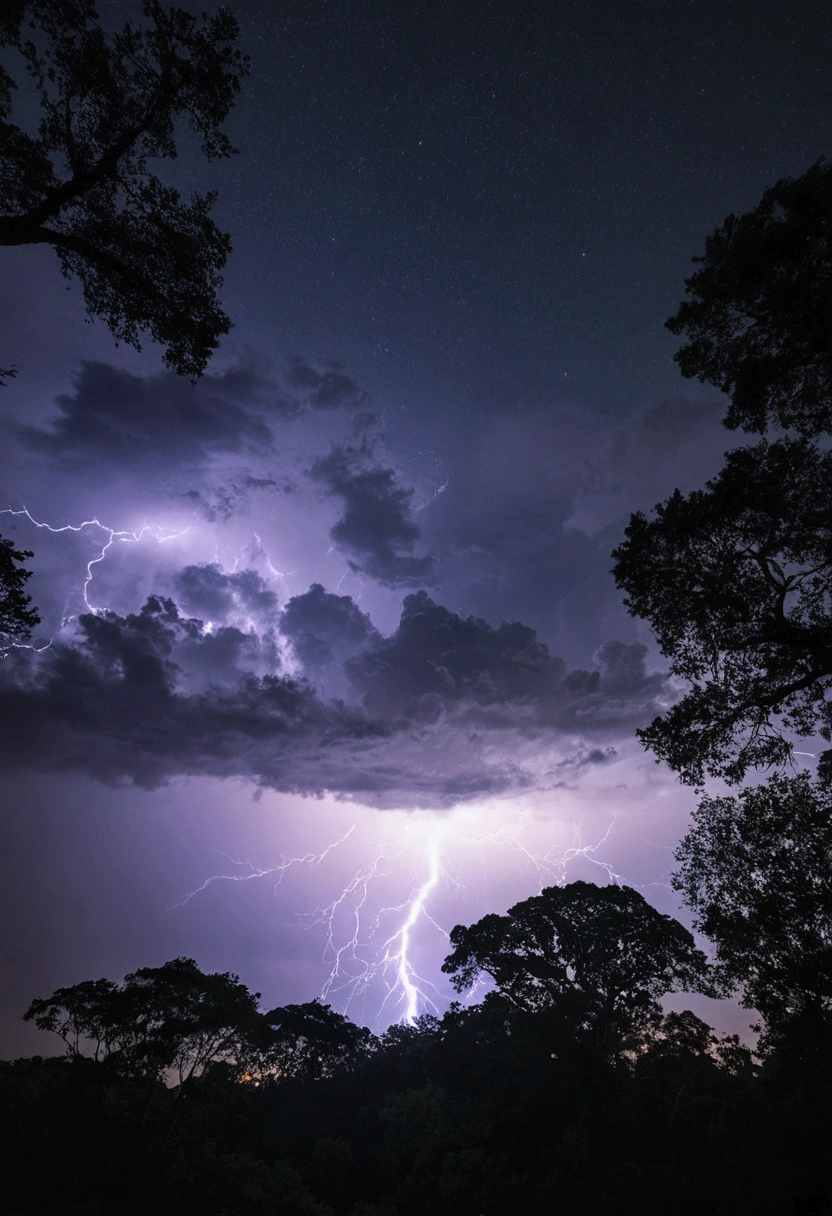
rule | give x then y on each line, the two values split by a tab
370	945
351	972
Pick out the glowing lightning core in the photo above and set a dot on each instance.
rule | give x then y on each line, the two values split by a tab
397	947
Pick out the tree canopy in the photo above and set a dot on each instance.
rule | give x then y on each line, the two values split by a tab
173	1018
756	871
603	953
758	320
110	106
311	1041
735	582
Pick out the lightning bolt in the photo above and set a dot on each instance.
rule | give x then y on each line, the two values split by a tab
552	864
250	871
371	943
112	535
439	490
405	990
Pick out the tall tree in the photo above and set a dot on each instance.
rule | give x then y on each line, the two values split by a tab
311	1041
735	581
603	953
110	105
756	871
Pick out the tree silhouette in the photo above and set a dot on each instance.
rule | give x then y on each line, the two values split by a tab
172	1018
311	1041
756	871
110	104
603	953
758	321
17	619
735	581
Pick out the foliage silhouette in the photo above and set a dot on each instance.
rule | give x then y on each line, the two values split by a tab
110	104
17	618
756	871
602	954
501	1106
758	322
735	582
311	1041
735	579
172	1018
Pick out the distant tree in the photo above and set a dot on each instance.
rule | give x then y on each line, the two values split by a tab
757	871
735	581
603	953
17	619
172	1018
311	1041
758	320
110	104
84	1016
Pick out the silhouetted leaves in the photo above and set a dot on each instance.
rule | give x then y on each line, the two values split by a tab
757	871
110	105
735	581
311	1041
602	955
17	619
168	1019
758	322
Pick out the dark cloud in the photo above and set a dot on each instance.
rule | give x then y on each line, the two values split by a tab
116	418
112	705
325	629
209	592
445	710
438	664
221	500
377	530
210	444
324	388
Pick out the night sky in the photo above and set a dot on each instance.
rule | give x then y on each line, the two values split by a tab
284	749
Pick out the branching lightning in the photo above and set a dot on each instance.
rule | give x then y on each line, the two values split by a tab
246	871
112	535
370	943
552	864
405	991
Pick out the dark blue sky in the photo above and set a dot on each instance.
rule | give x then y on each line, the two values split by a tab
492	204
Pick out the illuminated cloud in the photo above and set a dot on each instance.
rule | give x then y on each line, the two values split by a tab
445	710
376	531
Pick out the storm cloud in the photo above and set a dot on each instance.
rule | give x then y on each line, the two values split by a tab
325	387
139	422
444	710
376	531
326	629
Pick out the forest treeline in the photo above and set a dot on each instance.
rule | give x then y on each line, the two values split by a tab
568	1088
